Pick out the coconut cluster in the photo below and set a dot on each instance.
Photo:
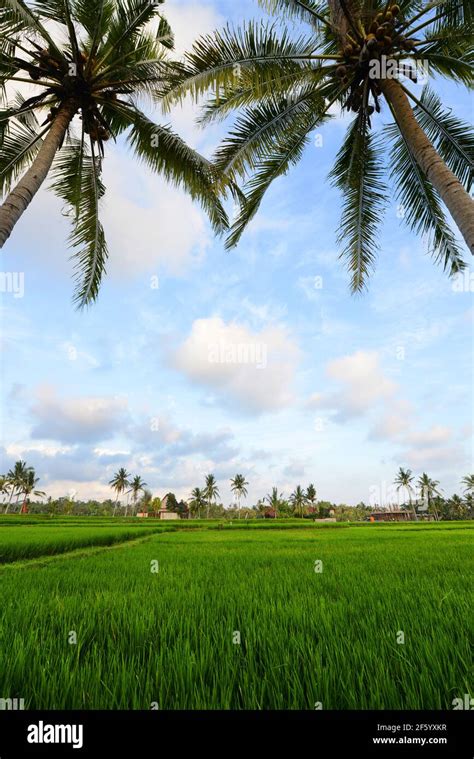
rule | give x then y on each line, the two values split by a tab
71	83
381	36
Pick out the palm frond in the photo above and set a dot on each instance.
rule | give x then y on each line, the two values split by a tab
457	68
452	42
129	19
217	60
258	129
51	9
452	137
301	10
422	207
85	13
18	14
166	153
165	34
285	152
76	180
454	13
20	145
251	90
358	174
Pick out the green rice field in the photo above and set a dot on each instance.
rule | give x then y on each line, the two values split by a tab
241	616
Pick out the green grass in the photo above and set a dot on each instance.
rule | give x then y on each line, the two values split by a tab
28	542
306	637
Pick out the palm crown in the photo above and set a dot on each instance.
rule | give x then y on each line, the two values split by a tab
110	56
198	501
298	499
120	481
238	485
468	482
284	86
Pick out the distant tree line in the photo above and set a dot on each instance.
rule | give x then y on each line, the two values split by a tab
19	494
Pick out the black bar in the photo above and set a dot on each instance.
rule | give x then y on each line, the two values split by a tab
324	734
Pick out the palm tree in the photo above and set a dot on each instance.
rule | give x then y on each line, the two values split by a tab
404	479
197	502
146	500
274	500
429	488
137	486
239	486
28	487
16	477
283	88
470	505
468	482
156	505
211	491
4	485
88	72
457	507
119	483
311	494
298	500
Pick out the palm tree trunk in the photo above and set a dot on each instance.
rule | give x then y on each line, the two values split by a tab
9	501
457	200
21	196
410	501
339	19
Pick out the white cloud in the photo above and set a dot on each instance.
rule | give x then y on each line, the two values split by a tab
73	420
363	385
441	458
22	450
434	436
189	21
256	368
149	224
394	422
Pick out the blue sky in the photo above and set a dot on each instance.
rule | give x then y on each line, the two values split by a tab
348	388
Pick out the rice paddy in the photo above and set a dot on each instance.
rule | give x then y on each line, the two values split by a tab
18	543
236	618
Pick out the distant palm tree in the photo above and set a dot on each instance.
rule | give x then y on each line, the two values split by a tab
16	478
211	491
298	500
239	486
4	486
146	500
119	483
197	502
470	505
429	488
137	486
99	60
28	487
404	479
457	507
350	56
468	482
274	500
311	494
156	505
